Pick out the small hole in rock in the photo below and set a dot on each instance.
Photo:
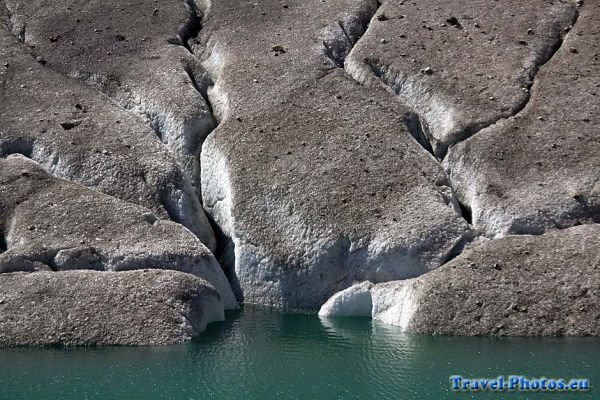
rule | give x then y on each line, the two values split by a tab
466	212
16	146
3	246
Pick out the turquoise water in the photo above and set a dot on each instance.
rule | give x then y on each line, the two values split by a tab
265	354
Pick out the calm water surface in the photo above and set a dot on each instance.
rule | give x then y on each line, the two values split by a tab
265	354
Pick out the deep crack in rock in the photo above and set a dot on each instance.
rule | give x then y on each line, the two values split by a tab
414	123
192	26
405	87
343	35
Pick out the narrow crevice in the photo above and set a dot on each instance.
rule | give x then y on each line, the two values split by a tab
392	81
222	240
224	252
191	27
342	38
225	255
415	125
202	89
459	246
417	129
352	43
329	52
465	211
540	60
3	244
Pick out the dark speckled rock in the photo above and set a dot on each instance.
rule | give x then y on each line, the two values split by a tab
544	285
79	134
315	178
105	308
48	223
540	169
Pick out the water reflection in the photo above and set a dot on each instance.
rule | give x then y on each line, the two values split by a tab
263	354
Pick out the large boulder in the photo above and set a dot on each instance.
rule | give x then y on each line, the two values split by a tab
315	179
48	223
517	285
105	308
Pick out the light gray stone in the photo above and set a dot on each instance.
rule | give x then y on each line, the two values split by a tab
137	53
79	134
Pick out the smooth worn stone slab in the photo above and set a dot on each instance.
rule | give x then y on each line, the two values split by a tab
514	286
146	307
314	178
461	65
79	134
48	223
356	301
540	169
136	52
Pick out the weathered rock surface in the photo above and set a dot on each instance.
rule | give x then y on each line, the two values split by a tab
316	179
331	142
137	53
79	134
517	285
540	169
101	308
52	224
460	65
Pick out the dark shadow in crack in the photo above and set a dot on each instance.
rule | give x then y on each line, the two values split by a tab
417	130
466	212
3	245
191	27
225	255
344	34
459	246
16	146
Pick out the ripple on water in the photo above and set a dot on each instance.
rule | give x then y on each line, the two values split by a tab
264	354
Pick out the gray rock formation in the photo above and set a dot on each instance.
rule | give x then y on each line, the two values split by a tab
97	308
51	224
517	285
79	134
330	142
316	179
460	65
539	170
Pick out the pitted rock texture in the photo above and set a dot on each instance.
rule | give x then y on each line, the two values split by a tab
517	285
330	142
314	178
540	169
52	224
137	53
99	308
79	134
460	65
